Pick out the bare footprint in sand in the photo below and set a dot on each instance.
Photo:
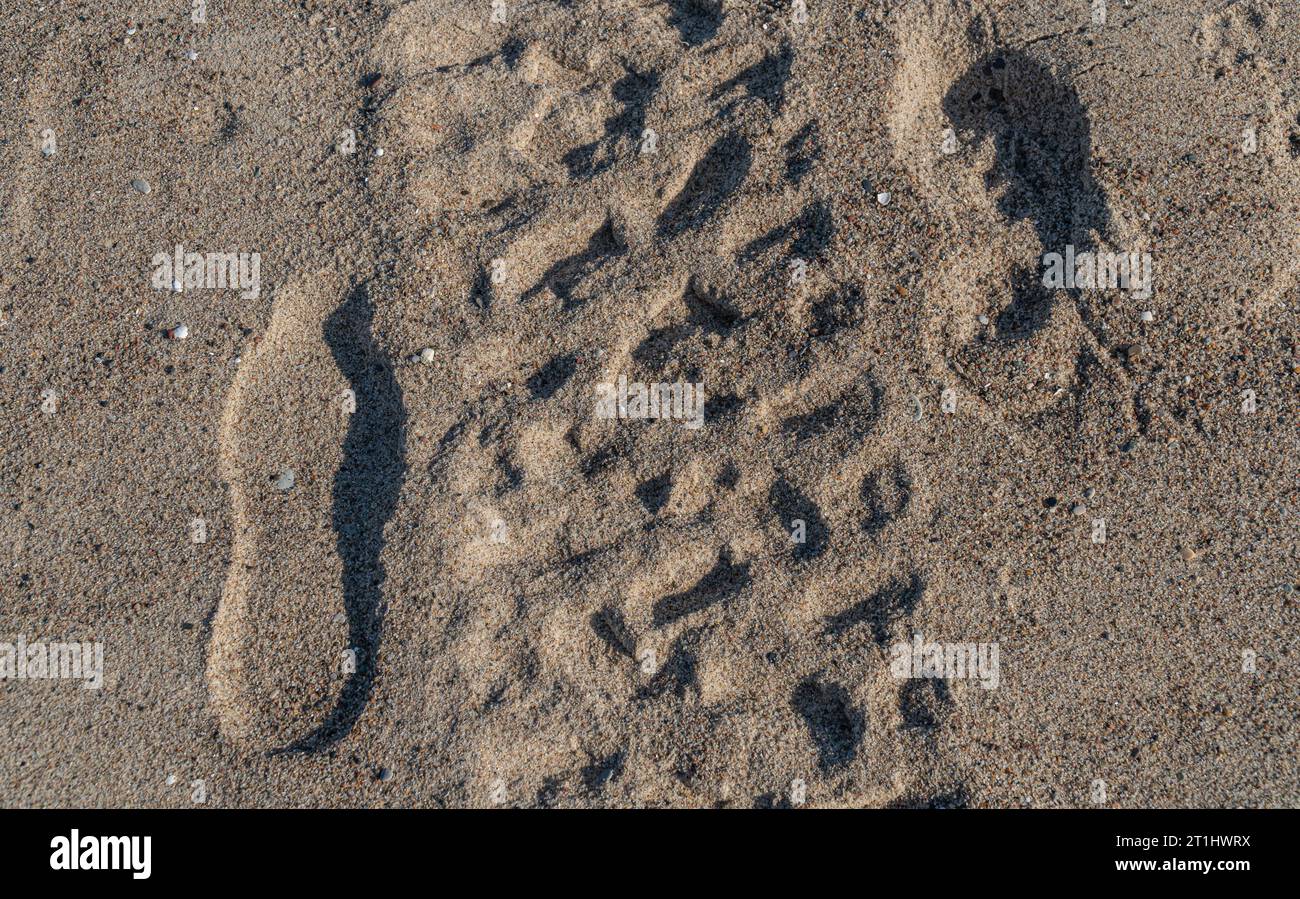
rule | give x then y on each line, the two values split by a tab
312	442
1014	174
1013	138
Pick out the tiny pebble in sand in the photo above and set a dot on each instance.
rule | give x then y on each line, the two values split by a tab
180	332
141	185
284	480
427	355
884	197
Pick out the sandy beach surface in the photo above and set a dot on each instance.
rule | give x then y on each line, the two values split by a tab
690	403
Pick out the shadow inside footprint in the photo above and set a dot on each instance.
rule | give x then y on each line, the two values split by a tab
366	488
850	417
886	494
707	313
655	492
723	581
480	292
696	21
564	277
801	152
792	507
597	775
893	602
1043	143
764	80
633	92
712	181
835	725
609	625
679	674
812	231
840	309
1029	309
922	702
552	376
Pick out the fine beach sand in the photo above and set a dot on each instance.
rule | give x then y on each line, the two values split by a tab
432	575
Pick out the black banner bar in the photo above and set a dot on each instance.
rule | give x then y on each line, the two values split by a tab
336	849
